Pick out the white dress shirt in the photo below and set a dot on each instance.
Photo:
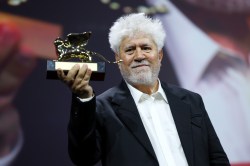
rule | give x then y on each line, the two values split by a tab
218	74
160	126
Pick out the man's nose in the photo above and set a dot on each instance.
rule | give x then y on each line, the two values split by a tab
139	55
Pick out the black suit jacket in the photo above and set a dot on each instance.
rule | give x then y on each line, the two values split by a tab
109	128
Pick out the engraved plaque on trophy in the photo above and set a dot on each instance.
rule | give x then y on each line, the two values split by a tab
72	51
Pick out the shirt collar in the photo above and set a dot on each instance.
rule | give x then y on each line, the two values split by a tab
136	94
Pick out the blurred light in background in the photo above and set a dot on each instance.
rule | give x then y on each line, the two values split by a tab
16	2
151	10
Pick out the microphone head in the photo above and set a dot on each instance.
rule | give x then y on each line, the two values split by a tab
119	61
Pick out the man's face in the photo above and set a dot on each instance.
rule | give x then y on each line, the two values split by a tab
141	60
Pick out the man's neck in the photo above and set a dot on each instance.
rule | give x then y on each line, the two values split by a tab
147	89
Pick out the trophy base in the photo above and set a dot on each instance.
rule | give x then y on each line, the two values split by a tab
98	69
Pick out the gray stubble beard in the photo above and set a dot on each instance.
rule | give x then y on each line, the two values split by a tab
141	77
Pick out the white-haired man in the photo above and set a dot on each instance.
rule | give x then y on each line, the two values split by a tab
142	121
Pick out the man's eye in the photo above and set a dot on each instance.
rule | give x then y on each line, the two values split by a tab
147	49
129	51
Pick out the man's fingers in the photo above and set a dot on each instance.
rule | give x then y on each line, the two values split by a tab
83	82
78	80
87	75
82	71
73	71
60	74
80	76
70	77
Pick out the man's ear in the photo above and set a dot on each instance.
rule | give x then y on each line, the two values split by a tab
117	57
160	55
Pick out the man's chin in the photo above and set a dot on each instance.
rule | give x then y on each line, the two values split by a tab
141	78
142	70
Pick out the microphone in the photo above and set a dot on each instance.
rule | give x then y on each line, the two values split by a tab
119	61
103	58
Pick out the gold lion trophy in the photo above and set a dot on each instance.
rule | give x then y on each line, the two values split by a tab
72	51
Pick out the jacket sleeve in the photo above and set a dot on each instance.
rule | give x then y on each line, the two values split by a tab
217	155
83	140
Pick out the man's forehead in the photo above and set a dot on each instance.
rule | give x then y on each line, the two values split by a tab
129	41
229	6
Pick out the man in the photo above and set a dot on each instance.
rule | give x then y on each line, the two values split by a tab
142	121
209	48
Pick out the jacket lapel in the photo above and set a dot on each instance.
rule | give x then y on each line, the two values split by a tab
127	112
181	112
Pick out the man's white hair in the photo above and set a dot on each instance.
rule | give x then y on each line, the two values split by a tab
134	25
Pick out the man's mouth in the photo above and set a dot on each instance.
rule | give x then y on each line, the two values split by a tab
141	65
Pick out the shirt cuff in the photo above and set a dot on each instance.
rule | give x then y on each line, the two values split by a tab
86	99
